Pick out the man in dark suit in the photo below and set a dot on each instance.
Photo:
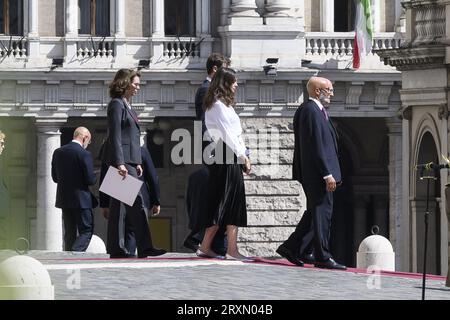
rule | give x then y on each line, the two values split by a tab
316	167
73	171
151	204
199	179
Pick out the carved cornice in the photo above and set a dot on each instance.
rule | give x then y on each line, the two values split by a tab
411	58
443	112
405	113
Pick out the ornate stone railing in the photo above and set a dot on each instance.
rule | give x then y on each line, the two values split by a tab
428	21
15	47
341	43
95	47
181	47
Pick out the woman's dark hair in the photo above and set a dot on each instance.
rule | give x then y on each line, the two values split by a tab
122	80
220	88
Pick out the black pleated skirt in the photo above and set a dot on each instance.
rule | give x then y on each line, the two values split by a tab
226	191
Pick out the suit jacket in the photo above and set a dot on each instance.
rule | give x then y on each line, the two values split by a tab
150	188
73	171
123	141
316	147
199	97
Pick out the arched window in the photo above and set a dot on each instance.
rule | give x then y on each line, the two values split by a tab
179	17
94	17
11	17
344	15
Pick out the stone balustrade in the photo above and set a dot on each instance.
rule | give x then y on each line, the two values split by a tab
95	47
341	43
181	47
13	47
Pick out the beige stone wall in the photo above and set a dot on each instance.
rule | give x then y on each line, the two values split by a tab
137	18
51	18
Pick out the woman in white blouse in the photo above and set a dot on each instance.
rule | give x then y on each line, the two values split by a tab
226	191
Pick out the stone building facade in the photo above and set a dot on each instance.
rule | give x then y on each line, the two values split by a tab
57	61
423	60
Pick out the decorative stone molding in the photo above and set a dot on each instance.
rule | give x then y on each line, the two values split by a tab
354	93
382	92
432	56
443	112
405	113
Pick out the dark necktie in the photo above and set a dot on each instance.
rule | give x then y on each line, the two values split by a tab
325	114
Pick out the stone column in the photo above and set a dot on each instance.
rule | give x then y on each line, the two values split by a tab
243	8
120	19
33	25
71	18
49	218
376	13
277	8
205	13
71	30
224	12
403	237
158	18
33	29
158	27
395	182
400	16
327	15
120	60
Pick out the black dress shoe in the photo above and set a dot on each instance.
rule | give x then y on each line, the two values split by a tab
152	253
309	258
191	244
329	264
289	255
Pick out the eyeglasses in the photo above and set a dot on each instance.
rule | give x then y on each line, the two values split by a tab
329	90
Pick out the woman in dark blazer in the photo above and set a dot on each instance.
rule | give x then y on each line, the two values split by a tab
122	151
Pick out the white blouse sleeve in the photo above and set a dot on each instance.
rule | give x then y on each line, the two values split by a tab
220	127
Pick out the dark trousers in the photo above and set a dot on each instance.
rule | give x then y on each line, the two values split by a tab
124	222
313	231
81	221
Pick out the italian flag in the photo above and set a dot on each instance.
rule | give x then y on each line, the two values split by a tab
363	32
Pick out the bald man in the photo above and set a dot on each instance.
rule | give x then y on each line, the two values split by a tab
316	167
73	171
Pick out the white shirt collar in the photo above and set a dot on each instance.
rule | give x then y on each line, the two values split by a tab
319	104
76	141
208	78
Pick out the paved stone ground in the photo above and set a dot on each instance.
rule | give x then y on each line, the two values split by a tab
182	276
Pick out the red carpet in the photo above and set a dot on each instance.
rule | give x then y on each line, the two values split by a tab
257	260
284	262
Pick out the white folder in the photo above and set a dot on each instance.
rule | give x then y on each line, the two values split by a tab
124	190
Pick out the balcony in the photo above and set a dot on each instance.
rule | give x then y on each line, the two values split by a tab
95	48
13	47
321	46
